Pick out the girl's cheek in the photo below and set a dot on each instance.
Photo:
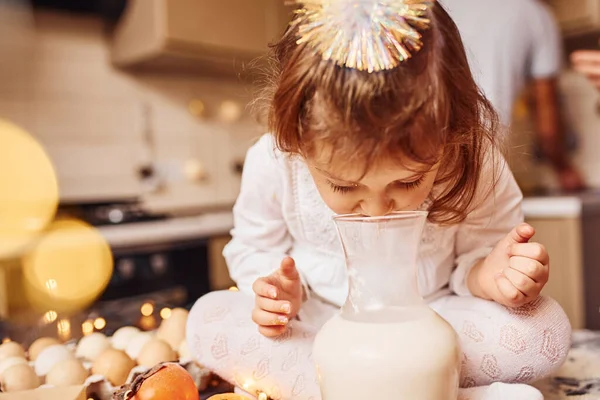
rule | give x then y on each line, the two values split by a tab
339	203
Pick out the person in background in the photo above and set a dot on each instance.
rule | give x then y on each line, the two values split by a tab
512	43
588	63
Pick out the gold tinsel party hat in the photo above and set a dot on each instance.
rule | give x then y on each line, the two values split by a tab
367	35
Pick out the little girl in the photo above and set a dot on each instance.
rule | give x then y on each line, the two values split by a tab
374	110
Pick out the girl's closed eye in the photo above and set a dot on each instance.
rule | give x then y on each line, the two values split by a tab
410	185
343	189
340	188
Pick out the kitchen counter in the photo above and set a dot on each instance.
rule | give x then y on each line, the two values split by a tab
561	206
168	230
552	207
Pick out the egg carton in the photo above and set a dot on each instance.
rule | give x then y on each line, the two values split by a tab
97	386
169	333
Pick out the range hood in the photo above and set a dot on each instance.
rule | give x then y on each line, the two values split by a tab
196	35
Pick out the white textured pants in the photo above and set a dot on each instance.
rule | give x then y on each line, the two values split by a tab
498	344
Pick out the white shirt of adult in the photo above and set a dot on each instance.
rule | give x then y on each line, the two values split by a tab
279	212
508	42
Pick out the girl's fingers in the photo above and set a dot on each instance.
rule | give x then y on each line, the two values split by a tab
266	318
263	288
511	296
533	269
288	269
271	331
522	282
274	306
535	251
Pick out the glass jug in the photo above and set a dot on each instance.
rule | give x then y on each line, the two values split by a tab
385	343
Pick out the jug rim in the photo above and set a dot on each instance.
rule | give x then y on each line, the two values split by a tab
387	217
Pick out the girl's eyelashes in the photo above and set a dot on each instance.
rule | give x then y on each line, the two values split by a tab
411	185
398	184
341	189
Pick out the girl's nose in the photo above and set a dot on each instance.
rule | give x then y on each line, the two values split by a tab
377	206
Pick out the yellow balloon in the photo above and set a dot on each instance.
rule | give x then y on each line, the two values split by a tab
68	269
28	189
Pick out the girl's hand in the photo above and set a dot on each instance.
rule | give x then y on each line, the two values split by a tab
515	271
278	299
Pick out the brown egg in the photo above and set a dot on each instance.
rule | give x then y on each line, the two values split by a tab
11	349
39	345
67	373
172	329
19	377
155	352
114	365
11	362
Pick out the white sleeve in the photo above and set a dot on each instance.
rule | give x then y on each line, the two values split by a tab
546	58
260	238
497	212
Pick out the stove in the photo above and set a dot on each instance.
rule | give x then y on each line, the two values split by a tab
102	214
159	259
154	254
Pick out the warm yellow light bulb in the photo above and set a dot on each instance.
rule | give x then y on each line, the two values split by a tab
64	329
5	340
165	313
147	309
234	289
100	323
263	396
50	317
87	328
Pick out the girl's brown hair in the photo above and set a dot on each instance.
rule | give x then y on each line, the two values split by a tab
428	110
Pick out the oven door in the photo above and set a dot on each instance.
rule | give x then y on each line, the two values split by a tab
181	267
180	255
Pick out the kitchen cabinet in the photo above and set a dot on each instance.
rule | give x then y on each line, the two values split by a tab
577	16
562	238
196	34
569	227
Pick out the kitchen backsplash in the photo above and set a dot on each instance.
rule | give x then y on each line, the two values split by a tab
102	126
